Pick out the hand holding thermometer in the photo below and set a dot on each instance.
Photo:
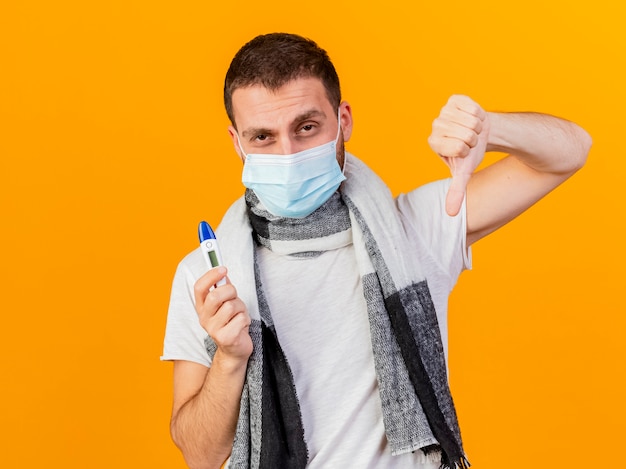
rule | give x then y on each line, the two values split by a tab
210	249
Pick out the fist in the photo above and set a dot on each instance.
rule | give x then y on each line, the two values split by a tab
459	137
223	315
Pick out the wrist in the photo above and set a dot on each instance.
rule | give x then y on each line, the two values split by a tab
229	364
496	125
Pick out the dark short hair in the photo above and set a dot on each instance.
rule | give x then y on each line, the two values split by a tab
273	60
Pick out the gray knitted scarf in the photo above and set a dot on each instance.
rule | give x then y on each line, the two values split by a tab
417	407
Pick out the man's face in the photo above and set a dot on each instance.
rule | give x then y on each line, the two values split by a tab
296	117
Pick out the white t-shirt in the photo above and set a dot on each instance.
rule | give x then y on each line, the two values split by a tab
323	328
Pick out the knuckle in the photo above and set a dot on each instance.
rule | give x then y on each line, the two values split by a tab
470	137
473	107
228	309
455	98
211	299
475	124
198	287
458	148
438	126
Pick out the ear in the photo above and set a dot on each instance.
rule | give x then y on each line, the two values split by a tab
345	115
233	136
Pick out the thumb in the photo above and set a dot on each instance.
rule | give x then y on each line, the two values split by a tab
461	169
456	191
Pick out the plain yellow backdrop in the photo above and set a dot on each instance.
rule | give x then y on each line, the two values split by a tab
113	146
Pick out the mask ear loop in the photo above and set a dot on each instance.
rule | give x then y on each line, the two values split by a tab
245	155
343	167
338	124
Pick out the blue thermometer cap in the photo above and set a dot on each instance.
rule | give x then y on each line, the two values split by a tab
205	232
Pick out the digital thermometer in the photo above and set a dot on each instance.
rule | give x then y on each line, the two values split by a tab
210	249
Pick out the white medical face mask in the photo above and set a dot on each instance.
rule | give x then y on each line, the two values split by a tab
294	185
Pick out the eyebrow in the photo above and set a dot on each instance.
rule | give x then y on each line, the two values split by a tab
299	118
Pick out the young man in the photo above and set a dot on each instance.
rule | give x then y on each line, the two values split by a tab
326	347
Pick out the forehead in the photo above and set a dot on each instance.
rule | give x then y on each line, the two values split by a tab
257	105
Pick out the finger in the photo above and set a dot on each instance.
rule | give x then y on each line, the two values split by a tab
228	311
216	298
467	105
448	137
450	117
449	147
235	338
204	284
230	320
458	125
214	315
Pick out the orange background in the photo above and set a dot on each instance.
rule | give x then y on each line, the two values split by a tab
113	146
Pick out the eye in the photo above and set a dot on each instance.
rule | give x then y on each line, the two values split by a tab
306	128
260	138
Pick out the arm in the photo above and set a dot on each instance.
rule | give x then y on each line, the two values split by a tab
543	151
206	400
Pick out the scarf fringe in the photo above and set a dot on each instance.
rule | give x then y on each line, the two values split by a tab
463	463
